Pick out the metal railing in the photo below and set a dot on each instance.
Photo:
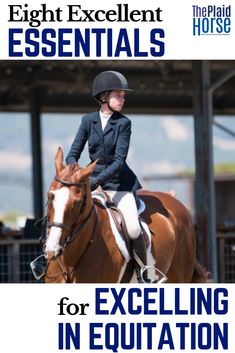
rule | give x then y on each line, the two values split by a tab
15	258
226	257
16	255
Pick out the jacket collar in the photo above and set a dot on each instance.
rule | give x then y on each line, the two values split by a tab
110	124
113	118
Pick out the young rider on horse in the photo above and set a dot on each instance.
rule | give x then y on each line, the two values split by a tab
108	134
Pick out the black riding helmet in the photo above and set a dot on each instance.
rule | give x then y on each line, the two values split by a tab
108	81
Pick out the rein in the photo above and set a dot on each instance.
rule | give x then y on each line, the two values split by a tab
74	231
62	272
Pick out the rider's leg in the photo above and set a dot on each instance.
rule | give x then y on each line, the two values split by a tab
138	248
126	202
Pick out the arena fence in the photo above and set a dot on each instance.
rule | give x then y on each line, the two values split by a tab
16	255
15	258
226	256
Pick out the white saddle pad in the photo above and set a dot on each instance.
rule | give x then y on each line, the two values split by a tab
120	242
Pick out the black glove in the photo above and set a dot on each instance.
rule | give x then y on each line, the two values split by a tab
94	183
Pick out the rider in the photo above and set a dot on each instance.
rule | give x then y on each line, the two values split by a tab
108	134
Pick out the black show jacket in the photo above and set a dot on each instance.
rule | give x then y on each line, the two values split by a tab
110	147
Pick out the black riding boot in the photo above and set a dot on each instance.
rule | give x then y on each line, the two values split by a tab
138	247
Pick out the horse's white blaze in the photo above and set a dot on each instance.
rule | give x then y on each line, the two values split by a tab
59	203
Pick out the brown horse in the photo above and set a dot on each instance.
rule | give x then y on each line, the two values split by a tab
80	246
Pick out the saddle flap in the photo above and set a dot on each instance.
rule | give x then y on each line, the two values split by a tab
120	224
101	198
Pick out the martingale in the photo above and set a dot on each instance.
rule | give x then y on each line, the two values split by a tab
96	42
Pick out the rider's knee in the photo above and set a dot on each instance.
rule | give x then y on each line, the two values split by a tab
133	230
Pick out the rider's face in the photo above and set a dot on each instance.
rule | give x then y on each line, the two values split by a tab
117	100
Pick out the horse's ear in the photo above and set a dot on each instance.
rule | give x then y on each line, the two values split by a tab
89	169
59	164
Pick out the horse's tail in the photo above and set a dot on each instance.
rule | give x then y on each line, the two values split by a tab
200	274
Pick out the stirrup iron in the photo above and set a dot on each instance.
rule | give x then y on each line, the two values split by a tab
160	277
38	268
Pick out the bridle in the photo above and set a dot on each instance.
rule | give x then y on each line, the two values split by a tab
72	229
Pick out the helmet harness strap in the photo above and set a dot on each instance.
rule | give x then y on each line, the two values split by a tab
107	100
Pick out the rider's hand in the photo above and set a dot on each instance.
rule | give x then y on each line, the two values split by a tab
94	183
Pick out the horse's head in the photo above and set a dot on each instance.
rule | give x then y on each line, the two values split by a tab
67	202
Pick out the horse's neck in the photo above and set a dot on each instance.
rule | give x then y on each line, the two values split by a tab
83	236
102	255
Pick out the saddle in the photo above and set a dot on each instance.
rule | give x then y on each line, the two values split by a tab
119	220
120	224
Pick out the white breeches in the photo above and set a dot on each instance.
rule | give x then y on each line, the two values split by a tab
125	202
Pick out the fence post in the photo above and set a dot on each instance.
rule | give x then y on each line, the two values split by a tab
15	262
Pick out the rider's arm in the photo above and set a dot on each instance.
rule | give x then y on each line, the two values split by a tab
78	143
